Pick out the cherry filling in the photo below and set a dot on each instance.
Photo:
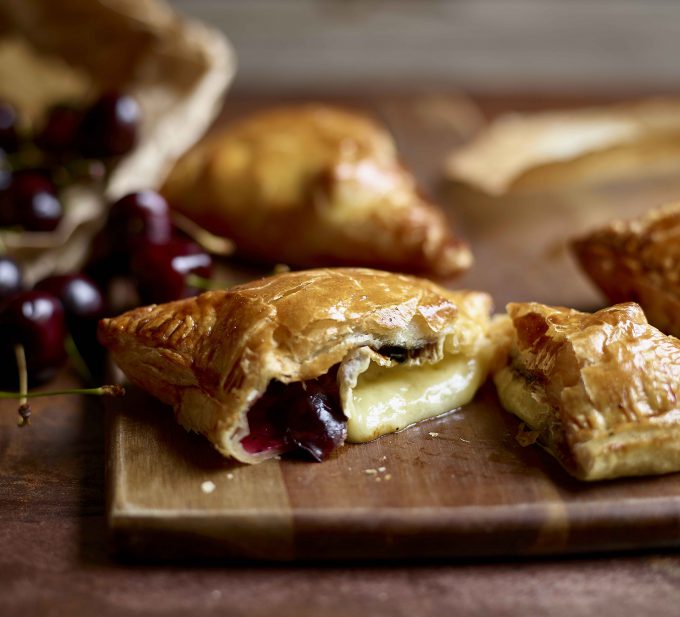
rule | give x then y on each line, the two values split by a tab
302	416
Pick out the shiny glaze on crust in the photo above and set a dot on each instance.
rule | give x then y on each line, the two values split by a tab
314	185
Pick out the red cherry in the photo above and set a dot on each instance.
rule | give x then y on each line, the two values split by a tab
162	270
11	279
140	218
110	126
35	202
34	319
84	306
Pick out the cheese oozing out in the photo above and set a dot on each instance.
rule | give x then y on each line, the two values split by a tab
527	401
381	396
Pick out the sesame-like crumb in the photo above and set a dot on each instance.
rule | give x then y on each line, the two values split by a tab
208	487
230	476
433	434
370	472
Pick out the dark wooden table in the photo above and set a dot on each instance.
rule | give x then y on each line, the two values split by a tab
55	557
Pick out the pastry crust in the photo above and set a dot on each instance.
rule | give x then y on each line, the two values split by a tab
639	261
213	356
313	185
600	391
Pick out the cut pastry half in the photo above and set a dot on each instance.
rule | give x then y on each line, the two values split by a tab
639	261
601	391
312	185
306	360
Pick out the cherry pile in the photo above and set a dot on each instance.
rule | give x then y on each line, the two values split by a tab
71	146
139	242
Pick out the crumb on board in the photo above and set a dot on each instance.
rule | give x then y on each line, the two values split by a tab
378	474
433	434
208	487
230	476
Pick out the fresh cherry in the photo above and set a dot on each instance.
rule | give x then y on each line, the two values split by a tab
79	295
11	279
140	218
35	202
58	134
34	319
163	271
110	126
9	136
84	306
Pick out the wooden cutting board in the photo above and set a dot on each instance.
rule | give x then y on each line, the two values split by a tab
459	485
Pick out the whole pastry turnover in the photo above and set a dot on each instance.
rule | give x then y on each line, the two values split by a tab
312	185
307	360
601	391
639	261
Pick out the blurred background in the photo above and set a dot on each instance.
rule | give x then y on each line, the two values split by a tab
607	46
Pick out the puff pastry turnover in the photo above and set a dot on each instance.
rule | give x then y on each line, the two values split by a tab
307	359
310	186
600	391
639	261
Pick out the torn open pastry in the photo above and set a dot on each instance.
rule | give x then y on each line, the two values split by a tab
601	392
639	261
313	185
307	360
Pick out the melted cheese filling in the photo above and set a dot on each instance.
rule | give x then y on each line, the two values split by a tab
522	399
389	398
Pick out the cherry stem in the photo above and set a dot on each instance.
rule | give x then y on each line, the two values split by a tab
24	407
209	241
77	359
113	390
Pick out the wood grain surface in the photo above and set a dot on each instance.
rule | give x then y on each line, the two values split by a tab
459	485
56	558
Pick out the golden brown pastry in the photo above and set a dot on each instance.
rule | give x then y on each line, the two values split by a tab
307	359
313	185
600	391
639	261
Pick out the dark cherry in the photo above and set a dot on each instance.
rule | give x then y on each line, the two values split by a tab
314	420
34	319
35	202
78	294
9	136
11	278
162	270
305	417
59	133
140	218
110	126
84	306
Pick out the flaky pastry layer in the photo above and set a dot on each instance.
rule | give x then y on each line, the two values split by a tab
639	261
601	391
213	356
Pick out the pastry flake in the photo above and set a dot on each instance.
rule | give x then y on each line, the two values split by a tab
639	261
602	390
313	185
529	151
307	359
